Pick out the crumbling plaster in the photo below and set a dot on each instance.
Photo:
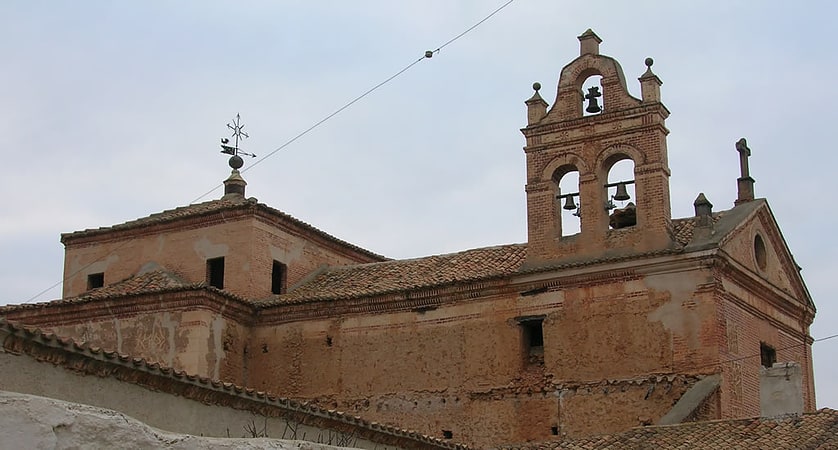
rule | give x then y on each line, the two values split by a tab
29	421
161	410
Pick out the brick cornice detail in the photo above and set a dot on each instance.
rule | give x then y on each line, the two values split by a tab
773	297
131	305
415	300
604	118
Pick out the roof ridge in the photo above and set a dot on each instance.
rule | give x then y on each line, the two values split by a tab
419	258
209	207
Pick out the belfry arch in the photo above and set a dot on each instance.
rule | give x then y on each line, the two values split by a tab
567	204
620	191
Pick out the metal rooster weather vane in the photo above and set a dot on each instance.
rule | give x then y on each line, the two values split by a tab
236	162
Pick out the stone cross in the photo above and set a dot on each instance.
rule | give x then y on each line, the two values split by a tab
745	183
744	153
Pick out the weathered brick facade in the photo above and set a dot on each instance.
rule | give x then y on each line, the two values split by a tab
564	336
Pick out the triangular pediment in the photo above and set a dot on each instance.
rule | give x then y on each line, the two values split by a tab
757	243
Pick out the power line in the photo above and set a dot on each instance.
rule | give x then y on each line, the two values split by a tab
755	355
427	55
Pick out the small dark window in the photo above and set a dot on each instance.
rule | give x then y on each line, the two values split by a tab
215	272
554	430
447	434
767	355
532	333
279	276
95	280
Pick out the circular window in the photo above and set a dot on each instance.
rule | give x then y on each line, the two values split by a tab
759	252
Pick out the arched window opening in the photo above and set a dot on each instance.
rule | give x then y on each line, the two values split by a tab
620	194
568	205
592	98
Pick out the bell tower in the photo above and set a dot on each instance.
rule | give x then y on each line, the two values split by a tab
588	132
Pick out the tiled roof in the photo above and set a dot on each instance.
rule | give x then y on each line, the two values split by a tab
152	282
683	228
379	278
149	282
402	275
193	210
211	207
36	336
818	430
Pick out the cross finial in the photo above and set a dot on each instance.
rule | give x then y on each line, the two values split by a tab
239	134
744	153
745	183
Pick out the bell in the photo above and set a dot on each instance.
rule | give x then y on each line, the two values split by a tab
593	104
569	204
622	194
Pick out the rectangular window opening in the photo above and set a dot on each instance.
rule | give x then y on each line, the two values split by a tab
532	333
767	355
215	272
279	276
95	280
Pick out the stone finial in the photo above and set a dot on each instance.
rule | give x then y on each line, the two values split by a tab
234	185
589	43
650	84
536	106
745	183
703	211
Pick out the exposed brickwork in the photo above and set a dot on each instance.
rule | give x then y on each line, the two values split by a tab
564	140
248	235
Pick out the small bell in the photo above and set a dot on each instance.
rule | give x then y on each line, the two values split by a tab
622	194
569	204
593	104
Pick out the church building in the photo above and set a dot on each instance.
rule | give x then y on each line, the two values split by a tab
612	315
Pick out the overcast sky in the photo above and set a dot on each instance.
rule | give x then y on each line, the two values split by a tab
113	111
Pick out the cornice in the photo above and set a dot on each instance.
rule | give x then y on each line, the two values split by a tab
68	312
198	220
417	300
566	276
763	289
604	118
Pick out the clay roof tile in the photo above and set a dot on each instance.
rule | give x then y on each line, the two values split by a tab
402	275
818	430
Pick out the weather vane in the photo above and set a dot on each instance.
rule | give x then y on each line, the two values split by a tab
236	161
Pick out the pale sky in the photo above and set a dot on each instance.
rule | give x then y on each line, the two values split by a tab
113	111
